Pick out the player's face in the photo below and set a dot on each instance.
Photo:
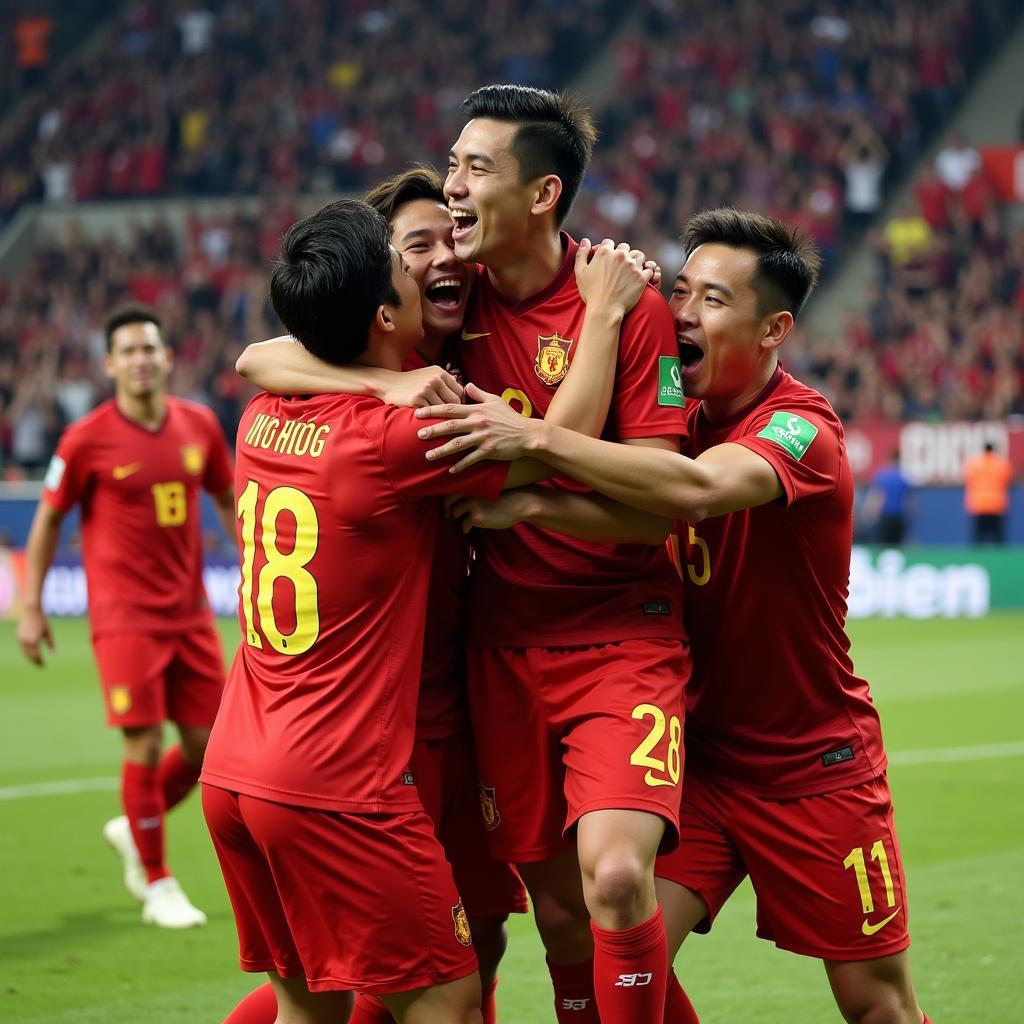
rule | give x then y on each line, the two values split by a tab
718	327
490	205
408	316
421	231
139	361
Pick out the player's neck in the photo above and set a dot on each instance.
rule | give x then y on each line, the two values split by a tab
721	407
146	410
526	269
432	345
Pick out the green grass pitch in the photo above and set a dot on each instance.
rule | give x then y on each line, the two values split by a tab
72	948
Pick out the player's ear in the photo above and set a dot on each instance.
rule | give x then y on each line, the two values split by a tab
776	327
548	192
384	319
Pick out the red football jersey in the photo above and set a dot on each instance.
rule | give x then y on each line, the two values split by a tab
442	710
139	496
773	705
532	587
337	511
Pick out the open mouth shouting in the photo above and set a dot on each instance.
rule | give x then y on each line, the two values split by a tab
464	222
446	292
691	355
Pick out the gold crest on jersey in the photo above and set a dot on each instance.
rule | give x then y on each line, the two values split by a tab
489	808
461	922
120	699
192	458
552	361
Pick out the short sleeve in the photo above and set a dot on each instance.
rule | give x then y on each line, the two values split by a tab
803	446
67	475
413	475
218	474
648	399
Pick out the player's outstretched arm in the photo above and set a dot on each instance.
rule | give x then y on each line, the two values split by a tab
587	516
611	278
33	626
225	502
283	367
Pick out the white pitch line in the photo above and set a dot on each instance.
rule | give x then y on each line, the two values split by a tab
942	755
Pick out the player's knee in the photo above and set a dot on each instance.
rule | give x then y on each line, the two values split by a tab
880	1006
617	882
564	929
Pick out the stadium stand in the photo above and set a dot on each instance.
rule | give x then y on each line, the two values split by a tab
808	111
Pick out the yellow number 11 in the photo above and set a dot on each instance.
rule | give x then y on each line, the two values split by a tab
855	860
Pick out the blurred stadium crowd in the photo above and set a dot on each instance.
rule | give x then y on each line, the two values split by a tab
805	110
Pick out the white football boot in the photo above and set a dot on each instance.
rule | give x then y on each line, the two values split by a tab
167	906
118	835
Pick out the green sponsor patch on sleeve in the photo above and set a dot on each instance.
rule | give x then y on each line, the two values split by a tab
791	432
670	382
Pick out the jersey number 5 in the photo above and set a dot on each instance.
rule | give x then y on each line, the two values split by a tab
289	565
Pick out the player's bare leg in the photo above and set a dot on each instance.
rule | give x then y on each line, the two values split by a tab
617	849
457	1002
193	741
877	991
683	910
563	922
490	940
297	1005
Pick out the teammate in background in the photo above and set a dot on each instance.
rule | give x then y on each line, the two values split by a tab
334	872
135	465
889	503
987	480
442	764
785	775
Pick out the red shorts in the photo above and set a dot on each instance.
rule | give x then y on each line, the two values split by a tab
448	784
352	902
826	868
589	728
150	678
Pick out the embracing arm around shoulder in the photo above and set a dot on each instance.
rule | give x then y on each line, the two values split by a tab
283	367
726	478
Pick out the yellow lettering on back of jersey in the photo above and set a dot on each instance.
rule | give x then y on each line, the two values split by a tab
293	437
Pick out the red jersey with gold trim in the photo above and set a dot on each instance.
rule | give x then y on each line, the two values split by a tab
532	587
442	710
773	705
338	512
139	496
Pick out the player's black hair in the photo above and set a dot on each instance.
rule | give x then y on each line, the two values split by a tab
420	181
556	133
787	261
333	273
130	313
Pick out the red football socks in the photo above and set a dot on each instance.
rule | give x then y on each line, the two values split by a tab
258	1007
631	971
488	1004
177	777
574	993
144	805
678	1008
370	1011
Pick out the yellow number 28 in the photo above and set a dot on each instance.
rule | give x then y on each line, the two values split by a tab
289	565
642	755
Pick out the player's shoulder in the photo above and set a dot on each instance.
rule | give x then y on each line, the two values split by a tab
96	419
793	396
187	408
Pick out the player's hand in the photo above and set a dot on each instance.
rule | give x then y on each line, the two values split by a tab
33	632
491	429
429	385
613	276
506	511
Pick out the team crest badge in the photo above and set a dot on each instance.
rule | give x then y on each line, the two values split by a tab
552	361
461	922
120	699
192	458
489	808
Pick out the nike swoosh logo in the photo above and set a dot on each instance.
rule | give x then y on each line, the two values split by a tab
468	336
653	780
120	472
869	929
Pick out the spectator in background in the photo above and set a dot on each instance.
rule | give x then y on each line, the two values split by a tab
863	158
889	505
987	479
32	39
957	163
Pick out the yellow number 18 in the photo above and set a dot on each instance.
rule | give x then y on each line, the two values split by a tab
290	565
